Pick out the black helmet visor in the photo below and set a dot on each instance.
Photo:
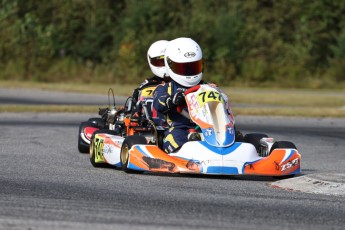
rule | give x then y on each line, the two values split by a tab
187	68
157	61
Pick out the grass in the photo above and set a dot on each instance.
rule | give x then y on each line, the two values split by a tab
70	87
305	112
265	101
284	97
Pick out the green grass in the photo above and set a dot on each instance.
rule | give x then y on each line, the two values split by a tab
71	87
49	108
273	102
283	97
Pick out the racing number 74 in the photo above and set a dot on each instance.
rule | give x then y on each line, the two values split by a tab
207	96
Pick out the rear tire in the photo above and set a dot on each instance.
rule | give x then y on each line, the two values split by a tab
254	139
83	147
126	146
98	121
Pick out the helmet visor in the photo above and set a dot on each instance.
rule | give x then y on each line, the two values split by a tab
157	61
187	68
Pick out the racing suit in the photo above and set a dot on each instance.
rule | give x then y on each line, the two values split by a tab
148	82
158	118
179	125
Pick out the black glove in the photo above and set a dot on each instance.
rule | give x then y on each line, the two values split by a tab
176	100
179	99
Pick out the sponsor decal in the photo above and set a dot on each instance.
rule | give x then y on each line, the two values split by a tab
193	103
204	112
108	149
154	163
208	132
289	164
230	130
189	54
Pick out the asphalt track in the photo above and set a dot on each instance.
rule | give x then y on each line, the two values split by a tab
45	183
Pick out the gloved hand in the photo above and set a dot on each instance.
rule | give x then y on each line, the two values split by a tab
179	99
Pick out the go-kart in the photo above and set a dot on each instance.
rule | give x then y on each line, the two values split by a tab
218	150
132	118
105	121
118	121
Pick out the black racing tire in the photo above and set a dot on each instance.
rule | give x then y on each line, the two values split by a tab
126	146
83	147
98	121
238	135
254	139
283	145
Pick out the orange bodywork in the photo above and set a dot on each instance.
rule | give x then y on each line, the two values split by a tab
274	164
160	161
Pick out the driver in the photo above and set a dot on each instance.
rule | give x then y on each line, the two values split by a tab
155	59
184	64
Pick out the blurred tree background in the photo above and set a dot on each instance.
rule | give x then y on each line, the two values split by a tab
281	43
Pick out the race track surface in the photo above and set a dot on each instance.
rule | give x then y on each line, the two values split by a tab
45	183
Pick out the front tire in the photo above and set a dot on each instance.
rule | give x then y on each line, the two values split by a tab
98	121
93	150
126	146
283	145
93	153
254	139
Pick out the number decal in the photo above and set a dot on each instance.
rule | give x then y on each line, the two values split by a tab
98	150
212	96
208	96
202	94
147	92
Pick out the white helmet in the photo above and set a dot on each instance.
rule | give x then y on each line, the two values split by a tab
183	61
155	58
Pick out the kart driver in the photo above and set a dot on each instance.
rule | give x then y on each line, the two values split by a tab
184	64
155	58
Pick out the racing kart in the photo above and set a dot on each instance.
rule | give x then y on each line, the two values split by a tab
218	150
119	121
87	128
